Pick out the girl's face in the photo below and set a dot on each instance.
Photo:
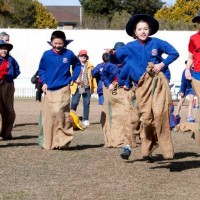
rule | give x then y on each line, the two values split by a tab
142	30
3	52
57	44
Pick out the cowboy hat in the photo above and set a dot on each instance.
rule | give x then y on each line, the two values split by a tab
197	18
154	25
7	45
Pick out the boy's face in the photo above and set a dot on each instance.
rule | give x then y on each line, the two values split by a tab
57	44
142	30
3	51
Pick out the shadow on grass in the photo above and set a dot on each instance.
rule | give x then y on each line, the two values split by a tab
25	137
177	156
25	124
178	166
174	165
18	145
85	146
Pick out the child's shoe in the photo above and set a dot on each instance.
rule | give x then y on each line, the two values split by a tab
172	121
126	152
178	119
190	119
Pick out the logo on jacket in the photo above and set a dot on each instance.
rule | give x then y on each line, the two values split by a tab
154	52
64	60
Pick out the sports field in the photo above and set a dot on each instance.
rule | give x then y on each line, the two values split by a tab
88	170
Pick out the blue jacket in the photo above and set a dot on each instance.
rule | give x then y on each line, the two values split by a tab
137	55
185	83
110	72
97	73
13	69
54	69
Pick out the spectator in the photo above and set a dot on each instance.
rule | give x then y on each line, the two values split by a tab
9	70
38	87
84	86
5	37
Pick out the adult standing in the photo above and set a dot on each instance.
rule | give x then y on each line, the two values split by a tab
9	70
5	37
84	86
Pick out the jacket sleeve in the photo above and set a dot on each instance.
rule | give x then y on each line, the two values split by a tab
76	67
125	78
172	53
42	70
16	69
96	71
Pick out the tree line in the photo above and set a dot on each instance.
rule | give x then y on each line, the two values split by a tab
25	14
101	14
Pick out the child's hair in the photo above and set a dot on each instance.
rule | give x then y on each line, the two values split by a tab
58	34
105	57
3	34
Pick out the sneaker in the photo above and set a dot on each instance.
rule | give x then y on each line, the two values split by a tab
126	152
177	119
86	123
190	119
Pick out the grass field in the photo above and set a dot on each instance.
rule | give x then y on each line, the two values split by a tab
88	170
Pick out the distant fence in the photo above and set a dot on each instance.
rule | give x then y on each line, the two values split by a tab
27	90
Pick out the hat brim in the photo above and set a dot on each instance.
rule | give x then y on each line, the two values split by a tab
136	18
7	45
196	19
66	42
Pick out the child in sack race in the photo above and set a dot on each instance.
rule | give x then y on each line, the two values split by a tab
54	73
150	72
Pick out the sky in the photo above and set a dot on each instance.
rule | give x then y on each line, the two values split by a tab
77	3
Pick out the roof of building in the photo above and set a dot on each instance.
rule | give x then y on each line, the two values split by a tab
65	14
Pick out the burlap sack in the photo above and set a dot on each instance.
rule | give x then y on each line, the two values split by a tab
57	128
118	118
153	102
191	128
132	123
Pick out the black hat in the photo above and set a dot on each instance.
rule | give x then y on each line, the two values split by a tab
197	18
7	45
61	35
136	18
